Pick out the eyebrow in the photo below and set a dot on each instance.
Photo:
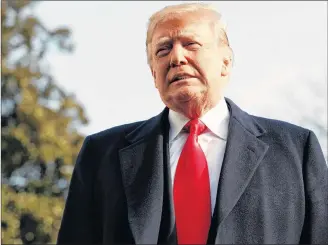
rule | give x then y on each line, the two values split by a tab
163	41
166	40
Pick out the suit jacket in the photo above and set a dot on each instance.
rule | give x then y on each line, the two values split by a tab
273	186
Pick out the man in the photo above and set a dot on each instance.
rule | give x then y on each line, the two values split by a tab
202	171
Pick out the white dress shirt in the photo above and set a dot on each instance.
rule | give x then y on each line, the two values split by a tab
212	141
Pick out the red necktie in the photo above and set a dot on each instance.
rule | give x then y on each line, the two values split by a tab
191	190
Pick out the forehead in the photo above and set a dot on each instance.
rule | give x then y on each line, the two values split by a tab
190	25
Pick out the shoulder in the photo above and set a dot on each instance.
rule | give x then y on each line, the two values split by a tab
275	126
288	141
99	143
268	128
114	133
285	134
283	130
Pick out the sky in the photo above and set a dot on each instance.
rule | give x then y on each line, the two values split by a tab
280	68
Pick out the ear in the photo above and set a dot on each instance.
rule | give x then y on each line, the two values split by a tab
154	76
153	73
226	66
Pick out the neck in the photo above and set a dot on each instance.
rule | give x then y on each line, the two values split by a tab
195	109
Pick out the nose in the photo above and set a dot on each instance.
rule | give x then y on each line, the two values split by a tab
178	57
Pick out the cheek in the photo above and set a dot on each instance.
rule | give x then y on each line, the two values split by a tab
198	63
159	81
203	61
160	74
214	67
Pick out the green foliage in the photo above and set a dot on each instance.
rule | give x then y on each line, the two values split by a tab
46	211
39	121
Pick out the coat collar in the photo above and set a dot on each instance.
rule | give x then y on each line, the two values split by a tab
143	167
244	153
246	121
143	174
156	124
149	128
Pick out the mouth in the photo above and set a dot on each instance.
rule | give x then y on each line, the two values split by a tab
179	77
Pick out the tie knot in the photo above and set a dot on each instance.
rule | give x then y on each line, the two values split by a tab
195	126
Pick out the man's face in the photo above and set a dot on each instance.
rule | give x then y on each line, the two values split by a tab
188	64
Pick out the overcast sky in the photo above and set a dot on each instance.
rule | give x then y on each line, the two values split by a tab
280	59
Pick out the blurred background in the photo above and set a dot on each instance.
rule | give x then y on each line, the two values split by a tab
70	69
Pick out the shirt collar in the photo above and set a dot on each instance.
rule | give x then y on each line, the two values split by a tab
216	120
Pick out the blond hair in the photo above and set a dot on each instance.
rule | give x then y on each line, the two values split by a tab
178	10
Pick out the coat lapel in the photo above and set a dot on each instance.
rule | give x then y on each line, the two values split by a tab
143	169
244	152
142	166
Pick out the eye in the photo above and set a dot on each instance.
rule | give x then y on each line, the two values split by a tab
192	45
163	51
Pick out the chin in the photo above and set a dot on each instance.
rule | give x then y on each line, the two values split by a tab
188	94
189	104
